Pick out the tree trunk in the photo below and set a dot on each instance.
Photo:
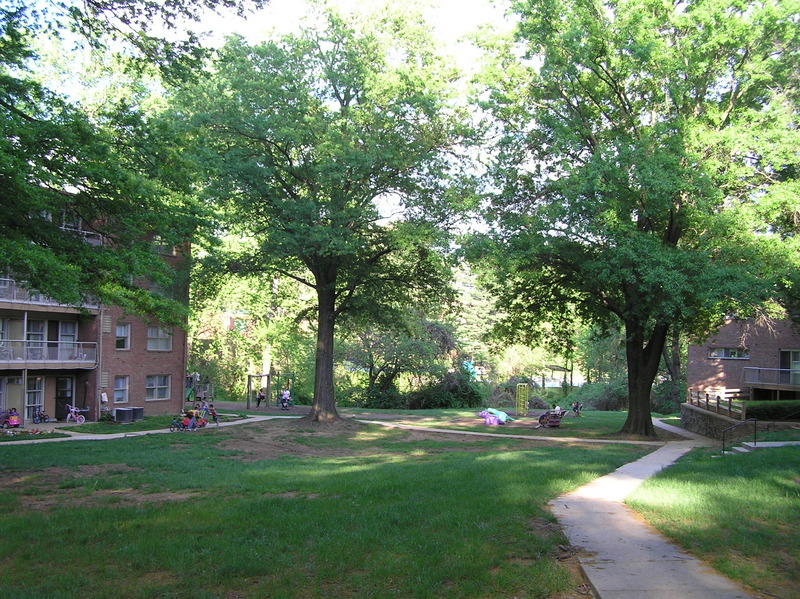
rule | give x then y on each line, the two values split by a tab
672	360
643	361
324	407
677	375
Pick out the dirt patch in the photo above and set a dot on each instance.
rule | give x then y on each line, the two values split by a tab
60	487
279	438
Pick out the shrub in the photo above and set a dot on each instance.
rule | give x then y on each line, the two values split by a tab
386	400
774	410
535	402
501	396
607	397
455	390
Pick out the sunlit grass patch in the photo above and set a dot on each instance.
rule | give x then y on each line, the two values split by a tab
740	512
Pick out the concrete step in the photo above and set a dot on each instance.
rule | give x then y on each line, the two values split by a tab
749	445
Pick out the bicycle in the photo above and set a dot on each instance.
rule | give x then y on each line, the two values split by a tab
177	424
75	413
39	416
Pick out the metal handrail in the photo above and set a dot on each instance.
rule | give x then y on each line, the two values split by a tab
730	428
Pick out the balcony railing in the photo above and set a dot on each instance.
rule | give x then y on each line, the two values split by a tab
11	291
47	354
772	378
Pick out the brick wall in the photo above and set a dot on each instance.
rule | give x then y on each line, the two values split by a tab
763	343
137	362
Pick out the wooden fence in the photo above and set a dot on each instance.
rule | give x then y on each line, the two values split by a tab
729	402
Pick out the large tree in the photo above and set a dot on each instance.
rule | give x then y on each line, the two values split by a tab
85	192
329	150
641	144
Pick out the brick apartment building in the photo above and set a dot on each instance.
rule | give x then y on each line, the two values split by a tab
101	360
763	359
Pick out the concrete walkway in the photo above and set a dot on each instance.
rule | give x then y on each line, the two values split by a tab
622	556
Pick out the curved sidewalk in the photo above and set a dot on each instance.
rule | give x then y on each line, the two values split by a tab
622	556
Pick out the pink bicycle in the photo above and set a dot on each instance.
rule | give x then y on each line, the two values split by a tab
74	413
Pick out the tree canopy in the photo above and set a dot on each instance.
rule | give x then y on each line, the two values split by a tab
329	151
642	147
85	195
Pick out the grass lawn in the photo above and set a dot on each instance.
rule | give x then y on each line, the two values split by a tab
591	425
284	509
287	509
739	512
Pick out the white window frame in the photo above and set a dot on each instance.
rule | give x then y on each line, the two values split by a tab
126	327
68	340
34	394
158	387
121	390
159	338
35	339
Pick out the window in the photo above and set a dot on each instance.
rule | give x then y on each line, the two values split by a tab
157	387
729	353
5	348
790	366
35	339
34	394
120	389
68	340
123	339
161	246
71	221
159	339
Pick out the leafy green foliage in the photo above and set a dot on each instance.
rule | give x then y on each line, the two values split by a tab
84	193
605	396
307	143
455	390
391	355
638	143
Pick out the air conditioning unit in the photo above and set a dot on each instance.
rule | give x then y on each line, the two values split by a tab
123	415
138	413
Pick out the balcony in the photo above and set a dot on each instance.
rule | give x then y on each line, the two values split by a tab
18	354
772	378
14	293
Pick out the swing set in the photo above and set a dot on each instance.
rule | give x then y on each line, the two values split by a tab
279	382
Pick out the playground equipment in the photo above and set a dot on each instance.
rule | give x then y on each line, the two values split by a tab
522	399
279	382
197	389
493	417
